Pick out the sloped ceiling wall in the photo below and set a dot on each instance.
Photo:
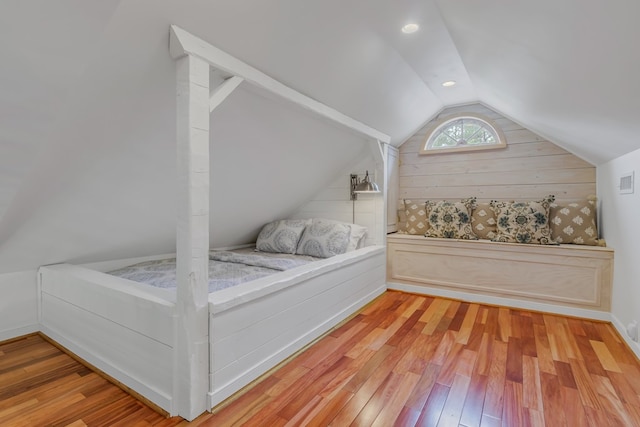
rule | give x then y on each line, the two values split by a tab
565	69
266	162
87	112
97	179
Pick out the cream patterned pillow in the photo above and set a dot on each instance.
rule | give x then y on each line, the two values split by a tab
451	220
324	238
523	222
281	236
483	221
416	213
574	222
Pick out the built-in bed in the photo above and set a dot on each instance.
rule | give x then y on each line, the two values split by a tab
185	349
128	329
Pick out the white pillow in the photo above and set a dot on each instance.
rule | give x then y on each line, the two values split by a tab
357	238
281	236
324	238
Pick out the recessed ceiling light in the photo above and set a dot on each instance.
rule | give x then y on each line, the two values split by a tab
449	83
410	28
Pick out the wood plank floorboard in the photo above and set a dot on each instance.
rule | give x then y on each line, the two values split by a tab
404	360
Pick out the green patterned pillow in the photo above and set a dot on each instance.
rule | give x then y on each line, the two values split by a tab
523	222
450	220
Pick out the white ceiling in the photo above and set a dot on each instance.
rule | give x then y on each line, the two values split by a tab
87	102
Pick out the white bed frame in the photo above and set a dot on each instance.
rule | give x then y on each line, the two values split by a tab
186	352
128	329
254	328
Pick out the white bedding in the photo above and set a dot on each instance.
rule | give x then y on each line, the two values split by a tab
226	268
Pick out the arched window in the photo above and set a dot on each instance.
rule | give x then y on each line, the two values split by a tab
464	132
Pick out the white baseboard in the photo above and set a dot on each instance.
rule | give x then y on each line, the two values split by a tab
622	330
507	302
18	332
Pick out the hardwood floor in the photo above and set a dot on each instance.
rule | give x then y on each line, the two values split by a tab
405	360
42	386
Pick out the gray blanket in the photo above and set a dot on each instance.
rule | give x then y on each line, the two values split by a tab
226	268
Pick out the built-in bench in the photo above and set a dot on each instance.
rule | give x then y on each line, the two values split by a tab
574	276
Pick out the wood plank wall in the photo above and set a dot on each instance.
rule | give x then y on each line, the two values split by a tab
528	169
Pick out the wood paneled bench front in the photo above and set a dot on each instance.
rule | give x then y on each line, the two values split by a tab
565	275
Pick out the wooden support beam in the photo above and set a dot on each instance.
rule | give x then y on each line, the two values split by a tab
219	94
183	43
191	361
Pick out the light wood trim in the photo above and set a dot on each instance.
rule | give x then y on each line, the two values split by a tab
571	275
463	149
542	148
502	192
489	178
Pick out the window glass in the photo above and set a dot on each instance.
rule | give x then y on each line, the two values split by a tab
462	133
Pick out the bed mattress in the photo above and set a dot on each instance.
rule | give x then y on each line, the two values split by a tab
226	268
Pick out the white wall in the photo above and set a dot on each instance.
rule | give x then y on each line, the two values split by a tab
619	226
18	304
333	201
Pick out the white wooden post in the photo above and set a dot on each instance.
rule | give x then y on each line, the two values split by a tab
384	151
191	369
194	56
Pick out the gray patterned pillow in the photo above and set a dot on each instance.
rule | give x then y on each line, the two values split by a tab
281	236
324	238
450	220
523	222
357	234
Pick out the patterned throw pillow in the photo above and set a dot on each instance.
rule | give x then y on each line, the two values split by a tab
357	233
483	221
574	222
451	220
523	222
324	238
402	220
281	236
416	214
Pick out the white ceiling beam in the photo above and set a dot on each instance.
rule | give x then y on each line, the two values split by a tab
219	94
182	43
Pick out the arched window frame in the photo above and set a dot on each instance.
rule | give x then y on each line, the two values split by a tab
438	127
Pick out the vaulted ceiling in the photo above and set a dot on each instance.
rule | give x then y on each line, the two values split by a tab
87	105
